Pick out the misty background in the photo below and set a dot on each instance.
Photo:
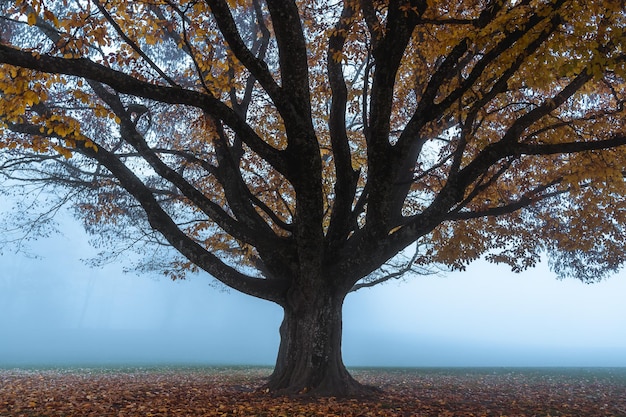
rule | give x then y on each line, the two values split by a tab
55	310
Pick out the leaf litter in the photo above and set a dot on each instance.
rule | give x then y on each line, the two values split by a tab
233	392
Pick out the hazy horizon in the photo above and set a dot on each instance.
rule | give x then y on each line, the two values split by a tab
56	310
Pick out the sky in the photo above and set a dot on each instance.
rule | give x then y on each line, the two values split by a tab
55	310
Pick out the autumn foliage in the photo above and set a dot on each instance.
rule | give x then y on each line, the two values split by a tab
301	150
232	392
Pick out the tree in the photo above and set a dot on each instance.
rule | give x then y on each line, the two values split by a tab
292	149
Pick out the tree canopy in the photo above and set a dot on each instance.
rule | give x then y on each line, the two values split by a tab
293	148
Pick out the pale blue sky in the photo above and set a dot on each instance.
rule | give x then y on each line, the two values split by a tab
57	310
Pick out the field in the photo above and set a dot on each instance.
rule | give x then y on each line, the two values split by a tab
232	391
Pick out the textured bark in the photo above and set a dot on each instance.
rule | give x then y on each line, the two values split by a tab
309	358
313	222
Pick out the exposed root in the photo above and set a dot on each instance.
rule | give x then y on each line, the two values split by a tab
343	388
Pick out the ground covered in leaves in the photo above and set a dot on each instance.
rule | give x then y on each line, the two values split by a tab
232	392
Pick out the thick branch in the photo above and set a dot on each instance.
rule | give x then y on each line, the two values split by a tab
259	49
372	22
292	54
381	169
235	189
127	84
250	232
256	65
568	147
345	185
159	220
525	121
526	200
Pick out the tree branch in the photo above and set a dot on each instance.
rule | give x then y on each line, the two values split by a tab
256	65
132	43
127	84
249	232
380	156
159	220
345	184
397	274
267	289
531	197
292	54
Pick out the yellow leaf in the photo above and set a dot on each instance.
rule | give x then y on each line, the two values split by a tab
30	98
338	56
67	154
32	19
90	144
51	17
395	229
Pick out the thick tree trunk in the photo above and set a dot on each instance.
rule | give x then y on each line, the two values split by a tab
309	358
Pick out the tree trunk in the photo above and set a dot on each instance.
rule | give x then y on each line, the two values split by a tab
309	357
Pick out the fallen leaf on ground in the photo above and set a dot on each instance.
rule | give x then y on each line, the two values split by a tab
213	392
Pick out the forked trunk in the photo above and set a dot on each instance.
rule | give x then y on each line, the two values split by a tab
309	357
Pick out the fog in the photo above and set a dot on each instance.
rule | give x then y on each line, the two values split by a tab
57	311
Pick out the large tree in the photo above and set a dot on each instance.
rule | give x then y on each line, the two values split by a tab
293	149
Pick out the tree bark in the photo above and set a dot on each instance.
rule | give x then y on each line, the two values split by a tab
309	357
